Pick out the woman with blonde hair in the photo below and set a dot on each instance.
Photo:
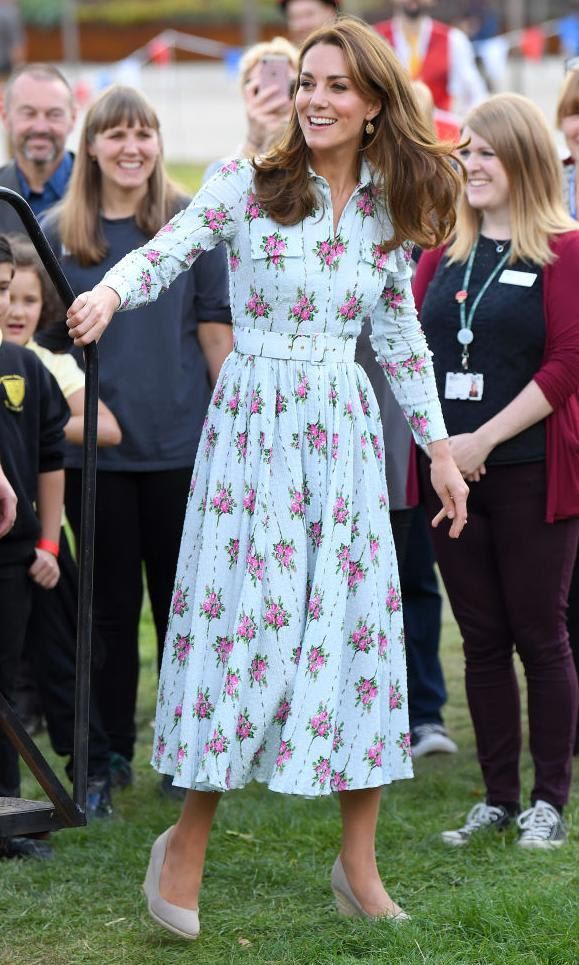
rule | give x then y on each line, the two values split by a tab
156	372
568	123
284	659
267	107
500	310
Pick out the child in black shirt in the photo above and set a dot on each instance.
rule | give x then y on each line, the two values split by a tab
33	413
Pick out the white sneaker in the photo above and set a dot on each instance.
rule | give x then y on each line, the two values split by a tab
431	739
541	827
480	817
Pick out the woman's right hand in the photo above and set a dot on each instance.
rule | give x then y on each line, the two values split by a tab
267	113
90	313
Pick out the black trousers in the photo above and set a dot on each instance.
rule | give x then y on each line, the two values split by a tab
573	627
15	603
139	520
422	606
50	649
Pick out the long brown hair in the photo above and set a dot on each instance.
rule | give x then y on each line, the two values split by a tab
78	216
519	135
27	258
419	181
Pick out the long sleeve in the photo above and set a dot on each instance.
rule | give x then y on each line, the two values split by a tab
212	216
558	377
403	354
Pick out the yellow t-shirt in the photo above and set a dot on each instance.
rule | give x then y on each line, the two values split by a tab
64	368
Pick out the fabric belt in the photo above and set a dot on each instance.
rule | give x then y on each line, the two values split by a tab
319	349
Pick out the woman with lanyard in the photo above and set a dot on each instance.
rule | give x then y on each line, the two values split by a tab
500	313
568	123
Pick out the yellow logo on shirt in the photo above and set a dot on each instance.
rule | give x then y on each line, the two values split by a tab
14	388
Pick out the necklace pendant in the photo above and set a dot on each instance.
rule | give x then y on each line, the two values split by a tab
461	296
464	336
500	249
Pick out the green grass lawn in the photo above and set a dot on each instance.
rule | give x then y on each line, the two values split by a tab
187	176
266	897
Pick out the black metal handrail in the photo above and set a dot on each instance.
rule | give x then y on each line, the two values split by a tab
69	812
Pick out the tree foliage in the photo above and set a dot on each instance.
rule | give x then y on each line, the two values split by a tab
141	11
50	12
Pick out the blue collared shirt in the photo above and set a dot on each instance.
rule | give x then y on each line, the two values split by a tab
53	189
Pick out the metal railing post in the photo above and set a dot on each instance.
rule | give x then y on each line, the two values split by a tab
86	547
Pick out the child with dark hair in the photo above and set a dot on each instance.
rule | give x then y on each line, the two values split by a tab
33	414
46	685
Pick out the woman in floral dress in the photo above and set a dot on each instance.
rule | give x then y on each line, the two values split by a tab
285	654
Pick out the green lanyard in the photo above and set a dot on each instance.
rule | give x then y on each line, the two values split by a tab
465	334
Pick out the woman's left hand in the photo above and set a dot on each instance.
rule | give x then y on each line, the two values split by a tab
452	491
469	450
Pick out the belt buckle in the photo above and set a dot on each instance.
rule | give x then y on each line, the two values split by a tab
319	345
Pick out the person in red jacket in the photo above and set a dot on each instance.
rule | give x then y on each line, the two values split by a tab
500	312
440	56
568	123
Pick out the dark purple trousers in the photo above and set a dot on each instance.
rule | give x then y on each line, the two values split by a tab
507	580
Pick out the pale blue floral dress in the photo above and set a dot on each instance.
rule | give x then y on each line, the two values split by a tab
284	659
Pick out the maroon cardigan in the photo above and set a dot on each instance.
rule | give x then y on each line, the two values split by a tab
558	377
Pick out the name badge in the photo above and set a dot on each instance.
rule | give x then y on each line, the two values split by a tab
467	386
523	278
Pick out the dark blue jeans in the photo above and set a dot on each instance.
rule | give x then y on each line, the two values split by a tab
422	605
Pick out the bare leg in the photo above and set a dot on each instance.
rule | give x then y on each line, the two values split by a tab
359	819
183	868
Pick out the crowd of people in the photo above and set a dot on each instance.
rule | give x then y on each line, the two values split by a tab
276	438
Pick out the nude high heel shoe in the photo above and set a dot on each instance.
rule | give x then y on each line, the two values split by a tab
346	901
181	921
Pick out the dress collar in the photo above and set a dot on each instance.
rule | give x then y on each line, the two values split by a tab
366	175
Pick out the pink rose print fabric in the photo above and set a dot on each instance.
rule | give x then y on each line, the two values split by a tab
284	660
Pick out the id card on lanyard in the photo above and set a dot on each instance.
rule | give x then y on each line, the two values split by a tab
466	385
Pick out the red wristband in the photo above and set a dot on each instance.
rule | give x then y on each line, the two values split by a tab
49	546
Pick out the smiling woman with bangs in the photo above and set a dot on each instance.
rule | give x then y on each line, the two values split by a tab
285	661
156	372
119	116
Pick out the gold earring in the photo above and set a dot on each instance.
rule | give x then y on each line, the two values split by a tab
369	128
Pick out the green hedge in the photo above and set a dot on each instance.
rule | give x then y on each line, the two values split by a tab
141	11
49	12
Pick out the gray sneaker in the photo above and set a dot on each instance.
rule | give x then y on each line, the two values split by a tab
431	739
541	827
479	818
